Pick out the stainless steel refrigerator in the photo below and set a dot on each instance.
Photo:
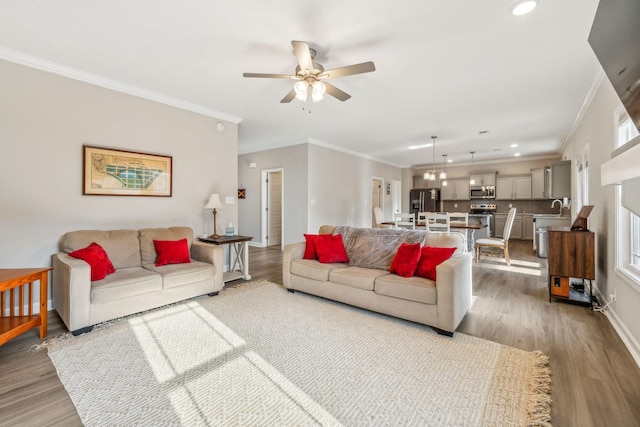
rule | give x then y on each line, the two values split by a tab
424	200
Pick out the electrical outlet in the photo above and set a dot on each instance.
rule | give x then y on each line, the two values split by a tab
612	295
510	205
455	205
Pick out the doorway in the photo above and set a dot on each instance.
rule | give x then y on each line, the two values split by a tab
272	207
377	197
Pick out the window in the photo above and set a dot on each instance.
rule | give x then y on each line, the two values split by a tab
628	223
582	178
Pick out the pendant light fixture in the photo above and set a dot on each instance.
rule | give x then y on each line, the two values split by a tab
431	175
471	180
443	174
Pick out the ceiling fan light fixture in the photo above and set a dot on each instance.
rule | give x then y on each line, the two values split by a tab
523	7
316	97
302	90
319	88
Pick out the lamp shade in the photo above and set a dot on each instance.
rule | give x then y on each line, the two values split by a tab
214	202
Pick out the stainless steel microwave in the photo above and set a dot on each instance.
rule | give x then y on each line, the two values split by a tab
488	192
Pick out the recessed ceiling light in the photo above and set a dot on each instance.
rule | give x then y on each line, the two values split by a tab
523	7
514	145
517	155
450	160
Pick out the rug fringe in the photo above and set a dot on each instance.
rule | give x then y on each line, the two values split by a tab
539	406
48	342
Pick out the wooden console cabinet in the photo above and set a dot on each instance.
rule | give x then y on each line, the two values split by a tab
570	257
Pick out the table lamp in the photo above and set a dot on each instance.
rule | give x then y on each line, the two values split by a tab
214	203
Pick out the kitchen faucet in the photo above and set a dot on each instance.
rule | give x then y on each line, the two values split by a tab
559	201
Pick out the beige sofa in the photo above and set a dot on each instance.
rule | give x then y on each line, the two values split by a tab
441	304
137	284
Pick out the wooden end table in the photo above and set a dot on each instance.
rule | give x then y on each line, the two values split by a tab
239	268
16	281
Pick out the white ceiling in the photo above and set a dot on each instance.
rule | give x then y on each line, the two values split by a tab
450	68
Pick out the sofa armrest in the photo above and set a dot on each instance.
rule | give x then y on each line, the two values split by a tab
71	290
291	251
453	288
211	254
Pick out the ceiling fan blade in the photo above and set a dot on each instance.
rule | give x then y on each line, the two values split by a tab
271	76
301	50
349	70
289	97
336	93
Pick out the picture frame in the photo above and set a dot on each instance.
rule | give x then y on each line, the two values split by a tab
113	172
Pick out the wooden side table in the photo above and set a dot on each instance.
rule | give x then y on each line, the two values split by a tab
241	258
16	281
570	254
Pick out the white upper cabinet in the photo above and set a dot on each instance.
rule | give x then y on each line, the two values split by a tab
513	188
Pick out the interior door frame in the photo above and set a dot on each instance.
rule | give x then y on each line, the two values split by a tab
264	220
381	197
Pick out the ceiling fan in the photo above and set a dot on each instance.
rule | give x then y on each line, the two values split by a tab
312	76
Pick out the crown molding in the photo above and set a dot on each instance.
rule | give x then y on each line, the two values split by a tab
586	102
94	79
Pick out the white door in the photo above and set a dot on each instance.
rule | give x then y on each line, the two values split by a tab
274	208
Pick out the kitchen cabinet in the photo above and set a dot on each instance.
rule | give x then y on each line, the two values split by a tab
484	180
519	230
456	189
560	179
513	188
420	182
527	226
539	184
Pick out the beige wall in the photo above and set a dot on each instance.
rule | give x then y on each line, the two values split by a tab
340	188
44	121
293	161
597	128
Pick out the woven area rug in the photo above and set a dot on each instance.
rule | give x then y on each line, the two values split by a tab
259	355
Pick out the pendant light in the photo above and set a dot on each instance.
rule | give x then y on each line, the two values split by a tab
431	175
443	174
471	180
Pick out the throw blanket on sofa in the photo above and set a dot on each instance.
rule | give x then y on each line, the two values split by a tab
376	247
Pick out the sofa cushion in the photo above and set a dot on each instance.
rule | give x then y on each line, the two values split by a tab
174	275
122	246
171	252
414	288
313	269
97	259
356	277
406	260
452	239
148	235
430	258
124	283
376	247
330	249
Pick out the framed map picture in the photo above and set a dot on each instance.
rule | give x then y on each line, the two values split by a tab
109	172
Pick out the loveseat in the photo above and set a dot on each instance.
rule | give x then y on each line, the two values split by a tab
137	283
365	281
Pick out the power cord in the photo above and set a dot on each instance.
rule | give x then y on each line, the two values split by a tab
603	308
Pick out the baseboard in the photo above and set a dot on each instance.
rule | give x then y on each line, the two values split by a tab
621	329
625	335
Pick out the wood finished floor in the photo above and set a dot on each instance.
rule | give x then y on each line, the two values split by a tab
595	381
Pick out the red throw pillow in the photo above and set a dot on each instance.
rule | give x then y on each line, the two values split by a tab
430	258
97	258
310	249
406	260
330	248
171	252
